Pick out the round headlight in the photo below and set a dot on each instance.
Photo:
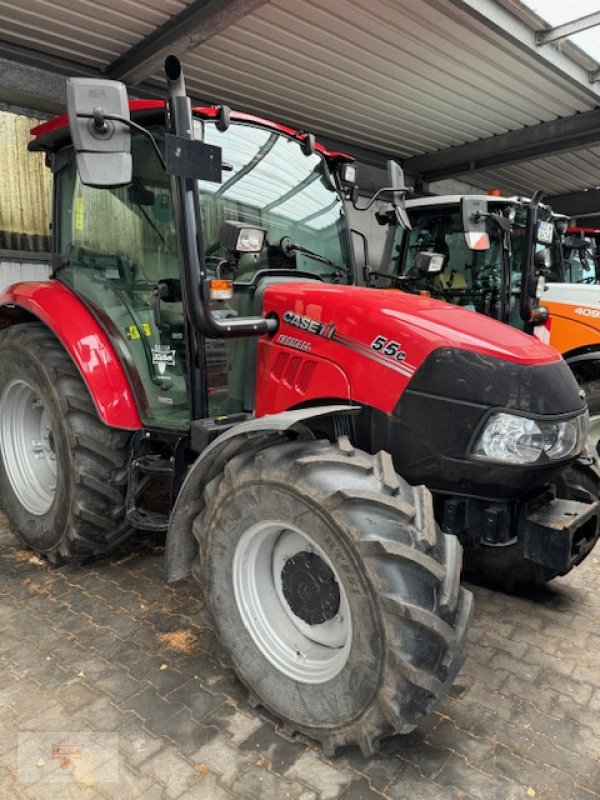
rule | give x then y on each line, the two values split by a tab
512	439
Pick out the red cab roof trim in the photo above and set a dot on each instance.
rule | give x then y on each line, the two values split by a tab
208	112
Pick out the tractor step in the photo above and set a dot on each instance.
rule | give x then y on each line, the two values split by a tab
154	465
145	520
156	470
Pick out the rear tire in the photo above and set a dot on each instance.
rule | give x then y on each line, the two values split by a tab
332	589
62	471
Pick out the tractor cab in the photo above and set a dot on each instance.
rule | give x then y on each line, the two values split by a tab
486	259
576	257
118	248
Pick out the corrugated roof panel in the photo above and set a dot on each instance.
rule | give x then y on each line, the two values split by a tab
558	174
91	33
401	77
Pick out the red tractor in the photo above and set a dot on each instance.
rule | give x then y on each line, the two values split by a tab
201	328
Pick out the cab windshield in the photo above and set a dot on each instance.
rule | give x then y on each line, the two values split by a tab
271	183
469	278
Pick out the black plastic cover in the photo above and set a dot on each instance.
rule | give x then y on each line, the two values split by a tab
431	430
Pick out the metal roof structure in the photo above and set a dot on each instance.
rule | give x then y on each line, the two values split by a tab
452	88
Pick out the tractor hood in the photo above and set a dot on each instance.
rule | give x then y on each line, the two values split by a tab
385	336
428	374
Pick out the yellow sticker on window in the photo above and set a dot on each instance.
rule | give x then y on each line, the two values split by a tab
147	329
133	332
79	213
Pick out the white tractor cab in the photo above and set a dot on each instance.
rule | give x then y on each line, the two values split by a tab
575	272
510	258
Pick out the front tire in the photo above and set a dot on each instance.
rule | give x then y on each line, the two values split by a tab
332	589
62	471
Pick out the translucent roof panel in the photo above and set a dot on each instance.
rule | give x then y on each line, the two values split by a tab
558	12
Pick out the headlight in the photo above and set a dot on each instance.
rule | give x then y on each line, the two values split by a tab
510	439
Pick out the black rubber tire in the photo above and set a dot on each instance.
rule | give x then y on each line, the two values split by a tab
86	517
400	573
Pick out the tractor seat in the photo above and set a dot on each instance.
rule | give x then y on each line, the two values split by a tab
452	281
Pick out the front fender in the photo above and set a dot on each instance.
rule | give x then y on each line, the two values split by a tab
181	547
86	342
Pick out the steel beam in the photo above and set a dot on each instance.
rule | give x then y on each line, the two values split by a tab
200	21
576	203
536	141
514	30
568	29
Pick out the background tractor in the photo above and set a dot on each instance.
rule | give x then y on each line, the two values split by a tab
201	329
537	275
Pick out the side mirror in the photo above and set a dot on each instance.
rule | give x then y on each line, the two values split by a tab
395	179
474	211
561	226
430	263
101	140
542	260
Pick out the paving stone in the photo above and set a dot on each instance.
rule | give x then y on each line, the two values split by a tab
411	785
207	788
257	781
380	769
281	753
523	713
415	750
198	700
137	745
559	785
325	778
220	757
172	770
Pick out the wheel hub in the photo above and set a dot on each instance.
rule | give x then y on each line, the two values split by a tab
310	588
292	601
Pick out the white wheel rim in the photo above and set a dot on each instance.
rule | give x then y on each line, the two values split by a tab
27	445
305	653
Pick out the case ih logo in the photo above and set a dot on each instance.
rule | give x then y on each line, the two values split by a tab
309	325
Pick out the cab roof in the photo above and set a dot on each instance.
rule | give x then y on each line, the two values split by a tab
54	133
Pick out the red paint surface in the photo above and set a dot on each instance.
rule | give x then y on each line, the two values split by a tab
87	344
418	324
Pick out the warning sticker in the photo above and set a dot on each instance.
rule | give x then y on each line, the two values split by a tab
79	213
162	354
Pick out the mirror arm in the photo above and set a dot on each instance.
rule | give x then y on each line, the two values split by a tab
377	194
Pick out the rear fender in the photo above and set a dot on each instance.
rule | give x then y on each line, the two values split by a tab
62	312
181	546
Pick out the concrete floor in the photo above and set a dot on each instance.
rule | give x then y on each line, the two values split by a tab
109	647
